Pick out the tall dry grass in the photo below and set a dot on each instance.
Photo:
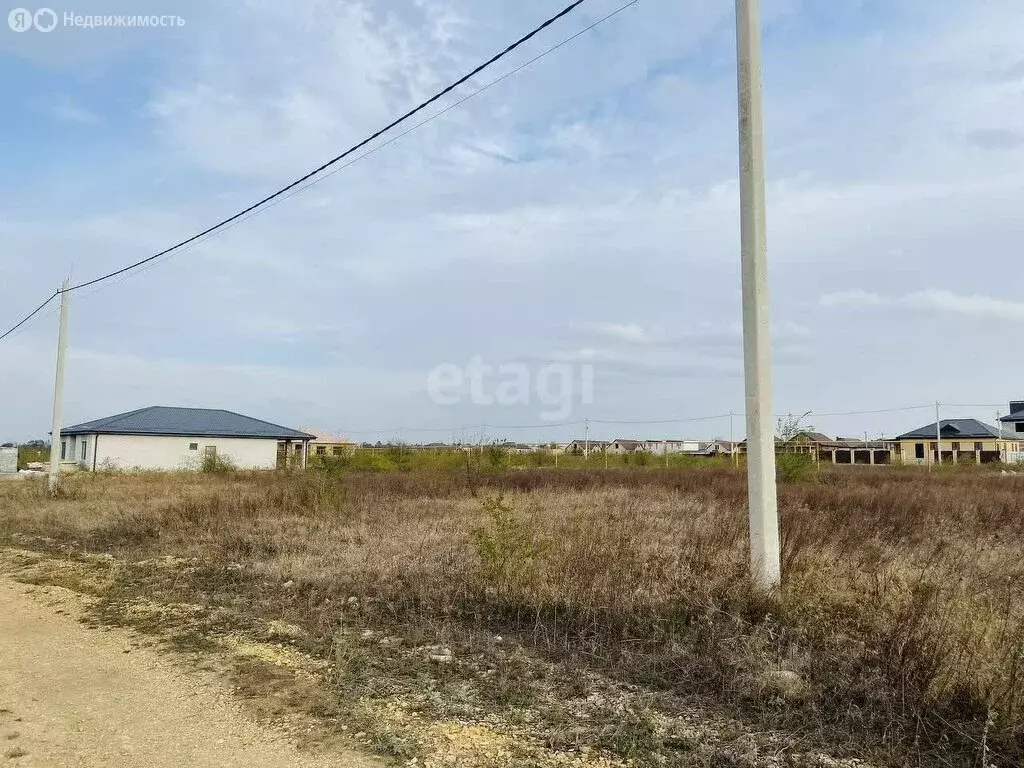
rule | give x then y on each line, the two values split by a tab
901	615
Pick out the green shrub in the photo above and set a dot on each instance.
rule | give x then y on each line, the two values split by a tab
795	468
217	464
508	549
639	458
497	456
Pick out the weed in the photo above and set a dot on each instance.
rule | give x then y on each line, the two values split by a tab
795	468
900	620
508	549
217	464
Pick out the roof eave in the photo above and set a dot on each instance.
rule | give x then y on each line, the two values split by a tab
155	433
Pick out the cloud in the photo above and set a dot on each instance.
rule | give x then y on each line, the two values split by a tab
628	333
66	112
931	300
996	138
588	205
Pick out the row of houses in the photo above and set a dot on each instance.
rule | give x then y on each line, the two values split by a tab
161	437
948	440
621	446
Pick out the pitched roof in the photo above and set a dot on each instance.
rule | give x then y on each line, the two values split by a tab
814	437
953	429
164	420
1013	417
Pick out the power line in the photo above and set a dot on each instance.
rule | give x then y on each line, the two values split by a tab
29	316
665	421
620	422
463	428
974	405
815	414
382	145
354	148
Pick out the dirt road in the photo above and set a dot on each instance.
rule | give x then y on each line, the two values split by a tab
76	697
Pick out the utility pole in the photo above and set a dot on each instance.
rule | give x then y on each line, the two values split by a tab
586	441
938	436
58	388
765	555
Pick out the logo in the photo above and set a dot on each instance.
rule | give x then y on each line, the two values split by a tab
22	20
45	20
555	385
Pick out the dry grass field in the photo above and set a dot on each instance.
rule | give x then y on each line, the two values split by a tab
602	616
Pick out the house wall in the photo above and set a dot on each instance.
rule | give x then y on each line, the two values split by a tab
71	453
321	448
157	452
676	446
1005	447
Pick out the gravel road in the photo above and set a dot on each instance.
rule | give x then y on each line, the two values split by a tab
76	697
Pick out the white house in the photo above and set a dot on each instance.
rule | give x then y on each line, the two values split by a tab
163	438
672	446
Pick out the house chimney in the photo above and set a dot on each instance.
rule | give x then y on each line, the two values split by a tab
1016	406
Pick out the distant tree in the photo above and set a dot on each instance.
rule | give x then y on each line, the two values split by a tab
790	426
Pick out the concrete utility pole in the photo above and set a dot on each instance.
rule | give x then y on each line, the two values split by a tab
58	388
765	555
938	436
586	441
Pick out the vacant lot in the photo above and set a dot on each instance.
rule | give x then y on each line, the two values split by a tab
599	615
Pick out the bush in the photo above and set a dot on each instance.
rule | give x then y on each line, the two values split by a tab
638	458
217	464
507	548
795	468
497	456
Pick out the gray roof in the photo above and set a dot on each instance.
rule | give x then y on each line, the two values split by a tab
814	437
953	429
1013	417
198	422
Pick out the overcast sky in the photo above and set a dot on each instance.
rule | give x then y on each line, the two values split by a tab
582	212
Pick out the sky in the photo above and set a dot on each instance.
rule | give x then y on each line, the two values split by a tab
562	247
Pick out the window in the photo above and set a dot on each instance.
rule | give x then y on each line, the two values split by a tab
193	446
1019	426
85	450
321	450
934	446
338	450
979	446
919	450
956	446
63	449
210	451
